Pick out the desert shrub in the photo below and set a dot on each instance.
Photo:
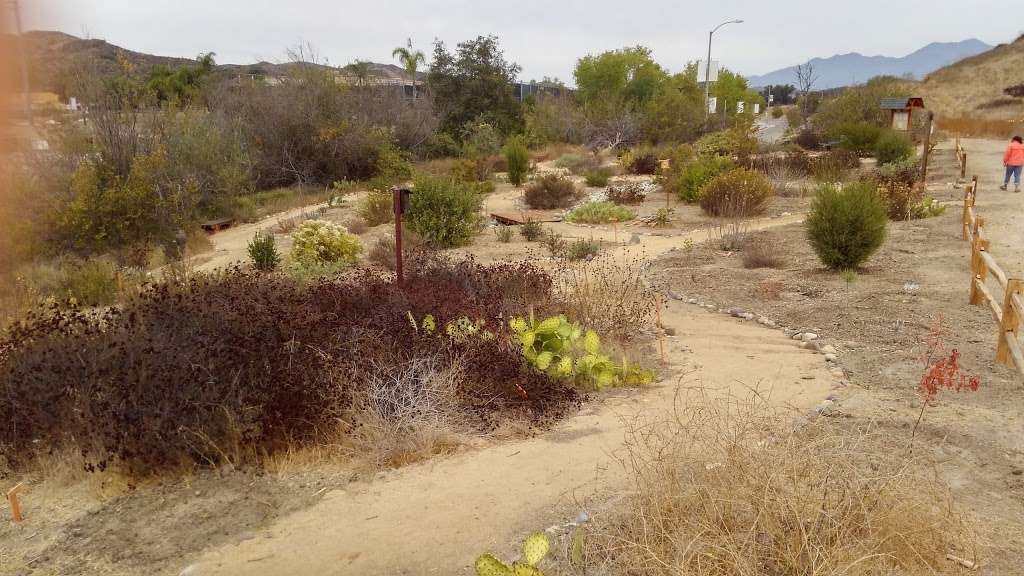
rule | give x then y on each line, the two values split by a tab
906	172
578	163
518	160
778	112
92	282
892	147
607	294
263	252
831	166
532	230
356	226
598	177
716	485
555	244
503	234
846	225
628	192
231	367
642	162
551	191
689	183
928	207
794	117
736	193
319	242
808	139
600	213
900	199
376	208
382	251
763	255
445	212
716	144
582	249
858	137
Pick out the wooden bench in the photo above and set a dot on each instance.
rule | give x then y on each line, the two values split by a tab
214	226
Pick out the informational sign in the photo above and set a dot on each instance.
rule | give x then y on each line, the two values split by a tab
739	107
702	70
757	107
771	98
712	104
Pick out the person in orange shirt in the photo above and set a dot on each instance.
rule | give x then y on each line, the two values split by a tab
1013	159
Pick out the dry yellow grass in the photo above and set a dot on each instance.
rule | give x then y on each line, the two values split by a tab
722	487
974	86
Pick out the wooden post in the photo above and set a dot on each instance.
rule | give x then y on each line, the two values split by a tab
968	204
963	165
1011	321
661	328
978	270
927	143
12	497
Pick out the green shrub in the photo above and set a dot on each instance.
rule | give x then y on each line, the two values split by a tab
720	143
892	147
578	164
91	282
319	243
900	199
600	213
445	212
582	249
551	191
376	208
808	139
858	137
777	112
641	162
846	225
736	193
906	172
518	160
532	230
927	208
555	244
263	252
598	177
689	183
503	234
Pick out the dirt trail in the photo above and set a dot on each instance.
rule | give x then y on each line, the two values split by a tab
436	517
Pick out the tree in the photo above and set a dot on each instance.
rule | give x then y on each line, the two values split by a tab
805	79
409	59
627	77
181	84
474	85
676	111
732	88
361	70
784	93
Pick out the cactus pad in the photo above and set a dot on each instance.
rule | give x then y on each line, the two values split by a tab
488	565
525	570
536	547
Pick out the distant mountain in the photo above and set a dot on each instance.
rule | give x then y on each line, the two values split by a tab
849	69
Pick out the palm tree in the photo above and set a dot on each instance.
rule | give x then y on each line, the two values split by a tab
410	59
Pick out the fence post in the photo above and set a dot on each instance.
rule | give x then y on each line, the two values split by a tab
968	204
1011	321
963	165
978	270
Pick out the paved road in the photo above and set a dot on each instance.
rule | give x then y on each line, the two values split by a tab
771	130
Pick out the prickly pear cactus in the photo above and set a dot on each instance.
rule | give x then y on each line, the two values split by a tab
525	570
488	565
536	547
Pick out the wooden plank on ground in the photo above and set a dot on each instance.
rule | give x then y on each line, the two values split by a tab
523	216
215	225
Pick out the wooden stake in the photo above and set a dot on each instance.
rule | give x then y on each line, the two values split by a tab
12	497
661	329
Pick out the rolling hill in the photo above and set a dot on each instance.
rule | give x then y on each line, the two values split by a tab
989	85
854	68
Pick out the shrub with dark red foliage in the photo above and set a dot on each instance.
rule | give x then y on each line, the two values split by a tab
231	367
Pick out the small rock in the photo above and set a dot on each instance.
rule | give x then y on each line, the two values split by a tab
691	301
674	295
798	336
838	372
634	239
190	570
788	332
737	312
748	316
827	349
583	518
808	336
830	357
826	408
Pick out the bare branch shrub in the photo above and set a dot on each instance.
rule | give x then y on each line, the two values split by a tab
605	294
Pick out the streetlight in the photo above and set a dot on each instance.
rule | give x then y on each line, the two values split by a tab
707	66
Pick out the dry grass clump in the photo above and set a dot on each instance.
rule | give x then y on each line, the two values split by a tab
980	127
605	294
722	487
763	255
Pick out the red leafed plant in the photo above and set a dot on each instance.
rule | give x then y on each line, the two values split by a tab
942	374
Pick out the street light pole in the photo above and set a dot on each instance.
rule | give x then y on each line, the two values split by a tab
707	66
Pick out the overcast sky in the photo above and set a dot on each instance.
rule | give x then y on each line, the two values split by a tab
545	37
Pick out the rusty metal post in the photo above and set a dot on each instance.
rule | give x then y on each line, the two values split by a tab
397	195
927	145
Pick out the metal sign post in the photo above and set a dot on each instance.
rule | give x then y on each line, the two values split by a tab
401	202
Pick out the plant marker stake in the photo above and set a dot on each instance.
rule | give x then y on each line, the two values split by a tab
12	497
661	329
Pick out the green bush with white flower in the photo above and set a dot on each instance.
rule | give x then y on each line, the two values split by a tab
320	243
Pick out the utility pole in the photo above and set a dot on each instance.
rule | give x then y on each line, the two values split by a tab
21	58
707	67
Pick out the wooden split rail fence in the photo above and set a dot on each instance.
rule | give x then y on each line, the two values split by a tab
1007	302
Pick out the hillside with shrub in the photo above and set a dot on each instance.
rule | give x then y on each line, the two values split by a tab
987	86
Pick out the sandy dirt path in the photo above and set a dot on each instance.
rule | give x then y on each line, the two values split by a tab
436	517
